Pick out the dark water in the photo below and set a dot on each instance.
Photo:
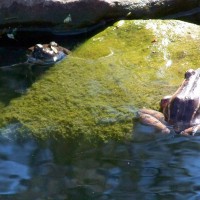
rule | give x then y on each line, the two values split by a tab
150	167
16	78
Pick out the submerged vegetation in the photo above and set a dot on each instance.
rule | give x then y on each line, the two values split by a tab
97	90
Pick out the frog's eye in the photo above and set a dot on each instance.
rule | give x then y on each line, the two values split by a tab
189	73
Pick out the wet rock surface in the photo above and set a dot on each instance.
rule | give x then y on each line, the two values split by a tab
97	90
69	14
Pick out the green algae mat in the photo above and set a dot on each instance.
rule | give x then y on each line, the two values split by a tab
97	90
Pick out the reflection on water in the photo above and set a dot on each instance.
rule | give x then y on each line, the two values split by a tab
152	166
19	159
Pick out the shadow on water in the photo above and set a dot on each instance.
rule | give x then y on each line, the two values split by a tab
15	80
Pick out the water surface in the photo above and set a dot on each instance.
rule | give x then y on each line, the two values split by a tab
151	166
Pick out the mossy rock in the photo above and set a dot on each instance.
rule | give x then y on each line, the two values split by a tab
97	90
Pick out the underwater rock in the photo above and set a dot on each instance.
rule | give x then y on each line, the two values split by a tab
96	92
62	16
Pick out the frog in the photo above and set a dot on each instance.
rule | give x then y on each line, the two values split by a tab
46	54
18	77
179	112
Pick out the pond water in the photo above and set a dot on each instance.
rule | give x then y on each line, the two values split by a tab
16	76
151	166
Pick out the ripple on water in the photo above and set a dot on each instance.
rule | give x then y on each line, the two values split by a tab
156	167
20	159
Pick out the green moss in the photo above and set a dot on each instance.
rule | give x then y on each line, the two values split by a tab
96	91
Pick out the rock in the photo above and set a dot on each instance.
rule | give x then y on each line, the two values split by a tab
96	92
64	15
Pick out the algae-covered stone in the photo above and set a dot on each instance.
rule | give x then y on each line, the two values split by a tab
98	88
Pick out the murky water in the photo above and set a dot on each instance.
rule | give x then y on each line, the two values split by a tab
16	78
151	166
